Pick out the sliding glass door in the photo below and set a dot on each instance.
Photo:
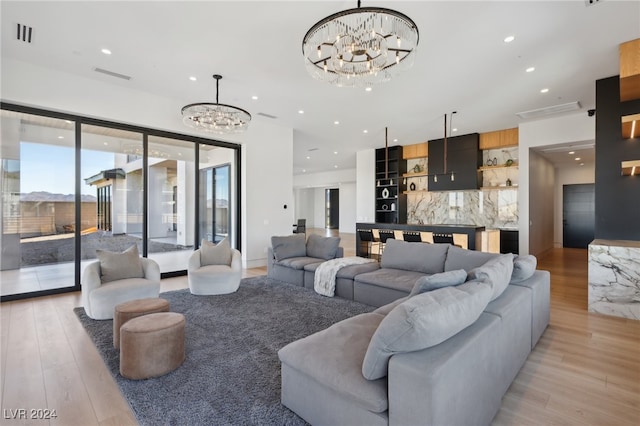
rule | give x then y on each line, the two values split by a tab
37	213
69	187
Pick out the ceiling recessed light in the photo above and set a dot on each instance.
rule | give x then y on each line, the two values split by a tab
336	122
179	154
335	166
509	39
582	164
365	131
68	121
192	78
308	158
368	89
530	69
304	170
60	137
300	111
455	129
106	144
578	158
335	152
254	97
106	51
545	90
571	152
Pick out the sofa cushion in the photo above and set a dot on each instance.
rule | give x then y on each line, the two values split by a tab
418	257
396	279
289	246
523	267
423	321
497	272
299	262
385	309
322	247
215	254
459	258
116	266
436	281
333	357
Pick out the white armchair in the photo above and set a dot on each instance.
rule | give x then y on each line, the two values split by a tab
100	298
214	279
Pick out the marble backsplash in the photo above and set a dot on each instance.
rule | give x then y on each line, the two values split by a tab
489	208
614	278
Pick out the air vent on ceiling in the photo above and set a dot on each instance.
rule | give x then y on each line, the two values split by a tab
267	115
313	149
112	74
555	109
24	33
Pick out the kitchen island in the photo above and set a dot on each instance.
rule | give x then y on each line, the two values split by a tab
466	236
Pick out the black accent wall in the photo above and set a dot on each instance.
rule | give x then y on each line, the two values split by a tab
617	203
463	159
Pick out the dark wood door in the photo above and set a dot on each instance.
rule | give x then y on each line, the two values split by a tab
578	215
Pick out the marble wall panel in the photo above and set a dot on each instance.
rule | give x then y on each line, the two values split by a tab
491	208
614	279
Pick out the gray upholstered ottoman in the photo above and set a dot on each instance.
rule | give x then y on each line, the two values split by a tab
151	345
135	308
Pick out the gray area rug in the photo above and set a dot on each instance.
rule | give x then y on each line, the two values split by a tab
231	375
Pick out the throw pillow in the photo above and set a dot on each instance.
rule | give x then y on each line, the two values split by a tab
523	267
497	272
322	247
118	266
215	254
418	257
289	246
423	321
436	281
459	258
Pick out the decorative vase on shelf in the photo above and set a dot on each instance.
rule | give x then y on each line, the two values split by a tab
508	182
509	163
412	186
385	193
393	207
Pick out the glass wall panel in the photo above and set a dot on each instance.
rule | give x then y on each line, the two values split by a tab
171	199
217	185
37	213
112	180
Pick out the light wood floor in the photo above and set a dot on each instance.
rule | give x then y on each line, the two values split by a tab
585	369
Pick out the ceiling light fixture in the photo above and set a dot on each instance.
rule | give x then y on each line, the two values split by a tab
509	39
216	118
545	90
106	51
530	69
360	47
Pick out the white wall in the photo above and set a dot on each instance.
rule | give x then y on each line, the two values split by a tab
541	206
264	189
365	186
568	176
348	208
568	128
310	192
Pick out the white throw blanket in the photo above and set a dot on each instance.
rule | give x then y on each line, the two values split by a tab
324	281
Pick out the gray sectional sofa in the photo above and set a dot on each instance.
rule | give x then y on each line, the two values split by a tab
459	326
290	255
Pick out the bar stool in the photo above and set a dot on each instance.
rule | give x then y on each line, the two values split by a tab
385	234
411	236
366	236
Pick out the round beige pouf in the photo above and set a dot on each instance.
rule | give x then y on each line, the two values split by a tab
151	345
135	308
